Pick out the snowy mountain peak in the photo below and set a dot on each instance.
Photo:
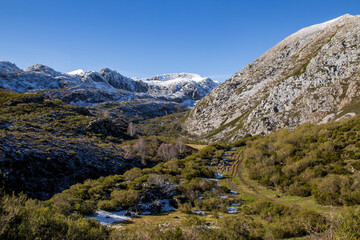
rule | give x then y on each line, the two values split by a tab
78	72
109	73
40	68
307	31
108	70
91	87
119	81
176	76
9	67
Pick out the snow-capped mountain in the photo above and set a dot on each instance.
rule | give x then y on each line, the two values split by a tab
176	86
35	77
81	87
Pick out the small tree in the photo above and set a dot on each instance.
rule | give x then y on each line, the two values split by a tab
128	153
142	149
107	114
180	145
154	142
141	146
167	151
131	131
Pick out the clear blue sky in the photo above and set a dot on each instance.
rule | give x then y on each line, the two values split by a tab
143	38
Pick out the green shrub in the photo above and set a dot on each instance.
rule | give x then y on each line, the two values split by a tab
124	198
106	205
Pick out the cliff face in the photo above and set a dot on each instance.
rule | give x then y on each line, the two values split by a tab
311	76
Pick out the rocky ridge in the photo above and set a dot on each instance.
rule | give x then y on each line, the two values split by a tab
311	76
86	88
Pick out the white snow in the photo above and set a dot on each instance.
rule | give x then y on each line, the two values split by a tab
318	27
211	179
174	77
108	218
218	175
200	213
8	67
235	204
79	72
233	192
183	88
165	205
231	210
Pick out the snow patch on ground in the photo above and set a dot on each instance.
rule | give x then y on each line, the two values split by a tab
231	210
165	205
218	175
108	218
200	213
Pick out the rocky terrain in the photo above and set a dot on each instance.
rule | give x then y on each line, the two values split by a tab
311	76
87	88
46	145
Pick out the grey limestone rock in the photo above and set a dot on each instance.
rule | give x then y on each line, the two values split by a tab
305	78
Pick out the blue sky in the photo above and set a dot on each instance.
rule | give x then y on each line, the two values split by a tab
144	38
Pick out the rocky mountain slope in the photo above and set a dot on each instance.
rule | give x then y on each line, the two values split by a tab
86	88
311	76
47	145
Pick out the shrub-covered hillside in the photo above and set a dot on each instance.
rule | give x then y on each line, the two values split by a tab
200	206
47	145
318	160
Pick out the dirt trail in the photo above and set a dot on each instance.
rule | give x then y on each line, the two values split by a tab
236	170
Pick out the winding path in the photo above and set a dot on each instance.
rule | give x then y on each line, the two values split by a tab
236	170
246	188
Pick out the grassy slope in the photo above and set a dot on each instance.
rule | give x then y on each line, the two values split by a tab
288	200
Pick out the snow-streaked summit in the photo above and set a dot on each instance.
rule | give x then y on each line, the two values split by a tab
40	68
77	72
180	85
6	66
175	77
317	28
105	85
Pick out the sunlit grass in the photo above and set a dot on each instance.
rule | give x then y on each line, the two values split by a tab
196	146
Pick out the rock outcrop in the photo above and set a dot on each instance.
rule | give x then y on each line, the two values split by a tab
46	145
308	77
41	172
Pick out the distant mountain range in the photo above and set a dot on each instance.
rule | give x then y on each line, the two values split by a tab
86	88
